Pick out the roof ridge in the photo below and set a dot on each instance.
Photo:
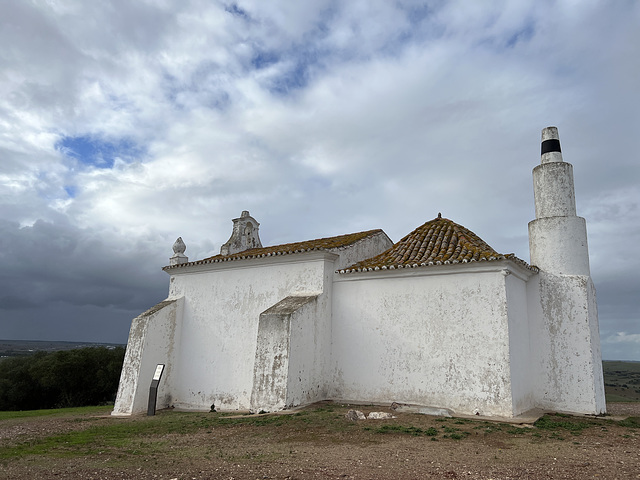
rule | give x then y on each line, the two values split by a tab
326	243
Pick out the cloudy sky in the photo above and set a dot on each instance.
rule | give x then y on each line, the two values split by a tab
125	124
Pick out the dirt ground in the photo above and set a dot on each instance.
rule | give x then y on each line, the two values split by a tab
326	445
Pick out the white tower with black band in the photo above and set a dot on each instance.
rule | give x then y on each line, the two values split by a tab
557	237
567	339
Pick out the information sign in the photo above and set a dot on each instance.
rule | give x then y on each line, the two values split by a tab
153	389
158	373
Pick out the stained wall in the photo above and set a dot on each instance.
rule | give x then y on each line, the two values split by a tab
436	336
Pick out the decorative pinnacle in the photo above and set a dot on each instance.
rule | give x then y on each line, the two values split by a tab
244	235
178	253
179	247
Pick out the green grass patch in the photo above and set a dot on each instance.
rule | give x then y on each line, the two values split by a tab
399	429
450	429
410	430
144	435
516	431
462	421
557	422
119	434
631	422
101	410
488	427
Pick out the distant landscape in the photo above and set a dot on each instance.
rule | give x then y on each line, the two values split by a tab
44	375
18	348
621	381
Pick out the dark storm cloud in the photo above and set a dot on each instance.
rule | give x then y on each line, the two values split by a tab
54	269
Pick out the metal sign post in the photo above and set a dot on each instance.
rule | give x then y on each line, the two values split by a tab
153	390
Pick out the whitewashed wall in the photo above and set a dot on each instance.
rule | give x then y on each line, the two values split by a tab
152	340
273	352
310	354
366	248
567	348
436	336
520	357
220	322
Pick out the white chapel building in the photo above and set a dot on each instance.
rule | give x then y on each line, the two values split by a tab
438	319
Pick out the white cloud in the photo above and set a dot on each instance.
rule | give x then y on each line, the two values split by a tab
621	346
622	337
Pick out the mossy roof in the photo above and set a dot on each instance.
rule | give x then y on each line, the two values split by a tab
437	242
328	244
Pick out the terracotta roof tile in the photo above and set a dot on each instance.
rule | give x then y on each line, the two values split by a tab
329	243
437	242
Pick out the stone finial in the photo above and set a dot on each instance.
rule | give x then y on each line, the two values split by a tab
179	246
178	253
244	237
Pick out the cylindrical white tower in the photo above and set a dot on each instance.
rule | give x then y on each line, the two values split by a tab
563	313
557	237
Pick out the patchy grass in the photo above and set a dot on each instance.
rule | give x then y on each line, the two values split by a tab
403	429
101	410
555	422
488	427
147	435
125	439
391	428
455	433
631	422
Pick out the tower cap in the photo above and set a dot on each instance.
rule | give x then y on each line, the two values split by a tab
550	146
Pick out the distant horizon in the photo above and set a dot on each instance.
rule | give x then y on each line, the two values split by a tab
2	340
60	341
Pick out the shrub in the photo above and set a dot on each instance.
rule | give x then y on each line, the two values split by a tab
70	378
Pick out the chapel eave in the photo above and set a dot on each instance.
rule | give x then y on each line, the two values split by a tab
328	245
510	257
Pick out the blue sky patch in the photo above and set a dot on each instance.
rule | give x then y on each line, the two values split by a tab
294	79
417	14
523	35
71	190
305	64
263	59
98	153
235	10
